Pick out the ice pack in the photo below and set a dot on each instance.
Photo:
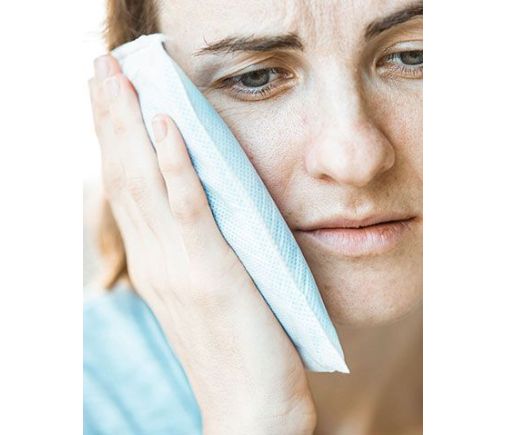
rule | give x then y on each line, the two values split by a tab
243	209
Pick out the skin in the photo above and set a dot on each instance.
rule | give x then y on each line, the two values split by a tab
340	134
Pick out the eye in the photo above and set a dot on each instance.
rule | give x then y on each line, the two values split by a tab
259	84
257	78
414	57
404	64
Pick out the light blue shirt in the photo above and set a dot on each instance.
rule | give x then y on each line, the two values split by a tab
133	383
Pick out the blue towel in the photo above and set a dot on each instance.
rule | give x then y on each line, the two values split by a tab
133	382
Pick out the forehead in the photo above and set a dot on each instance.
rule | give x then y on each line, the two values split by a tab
194	23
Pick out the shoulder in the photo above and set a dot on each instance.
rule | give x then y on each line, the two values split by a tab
133	383
107	313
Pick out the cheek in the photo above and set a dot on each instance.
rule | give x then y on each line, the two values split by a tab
272	136
371	291
399	113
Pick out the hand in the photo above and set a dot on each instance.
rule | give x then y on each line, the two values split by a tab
246	374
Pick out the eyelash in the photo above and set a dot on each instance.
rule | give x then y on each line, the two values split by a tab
394	68
233	84
238	90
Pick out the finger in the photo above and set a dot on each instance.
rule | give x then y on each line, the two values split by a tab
107	84
130	170
104	67
121	100
187	199
126	138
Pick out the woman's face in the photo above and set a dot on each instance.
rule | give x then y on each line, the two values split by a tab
325	98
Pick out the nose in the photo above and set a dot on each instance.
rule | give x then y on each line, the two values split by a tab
347	145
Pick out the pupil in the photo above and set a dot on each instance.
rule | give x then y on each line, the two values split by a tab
414	57
255	79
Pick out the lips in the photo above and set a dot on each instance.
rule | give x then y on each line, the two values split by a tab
340	222
359	237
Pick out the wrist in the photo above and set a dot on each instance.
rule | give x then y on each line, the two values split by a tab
295	420
232	427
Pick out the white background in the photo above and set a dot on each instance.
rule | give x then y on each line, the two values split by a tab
48	147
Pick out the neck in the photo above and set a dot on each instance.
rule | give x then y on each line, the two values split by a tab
382	392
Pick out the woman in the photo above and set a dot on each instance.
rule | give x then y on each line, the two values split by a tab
326	100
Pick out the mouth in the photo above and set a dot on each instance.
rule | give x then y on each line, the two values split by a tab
357	238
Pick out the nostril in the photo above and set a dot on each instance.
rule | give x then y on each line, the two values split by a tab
389	160
354	166
311	163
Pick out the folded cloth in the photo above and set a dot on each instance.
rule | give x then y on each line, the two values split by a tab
244	211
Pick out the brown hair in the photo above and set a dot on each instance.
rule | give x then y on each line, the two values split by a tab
125	21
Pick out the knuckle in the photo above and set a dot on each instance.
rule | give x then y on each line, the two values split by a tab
187	209
100	127
138	187
119	127
101	110
113	177
171	167
125	121
117	184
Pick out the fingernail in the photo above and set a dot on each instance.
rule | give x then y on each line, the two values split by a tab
102	67
111	87
159	128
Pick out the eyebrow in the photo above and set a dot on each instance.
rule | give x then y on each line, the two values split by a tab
288	41
291	41
399	17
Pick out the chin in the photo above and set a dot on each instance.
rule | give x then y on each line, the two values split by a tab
370	292
363	313
371	304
